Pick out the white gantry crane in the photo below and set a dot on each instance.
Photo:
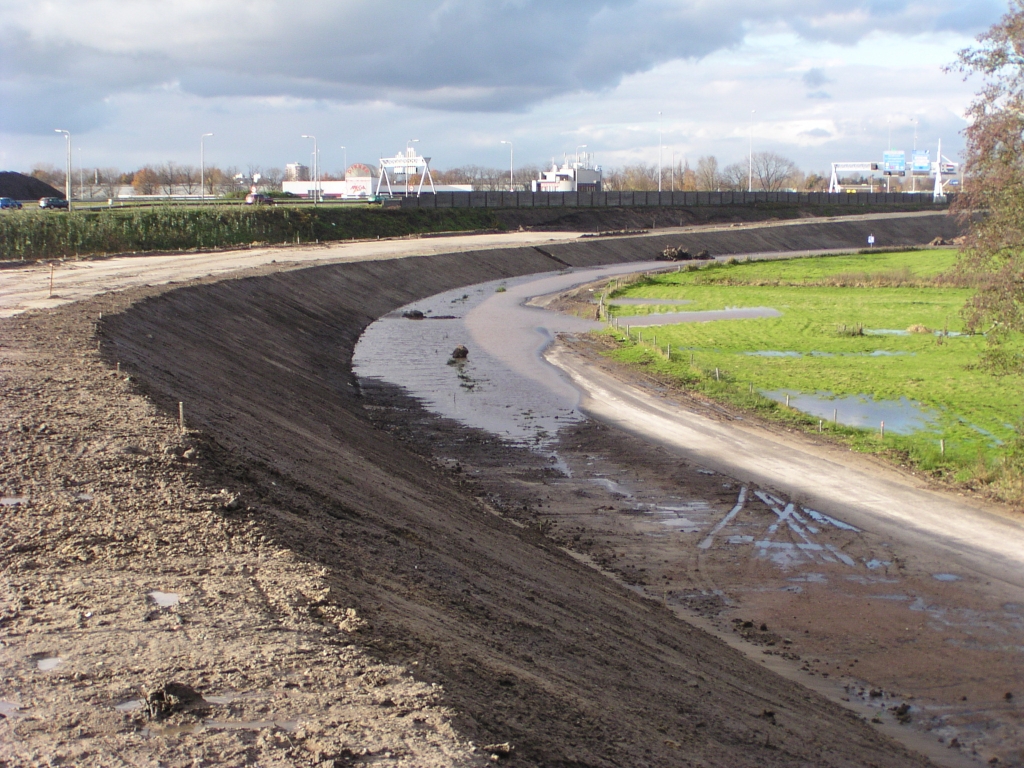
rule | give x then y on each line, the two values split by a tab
405	165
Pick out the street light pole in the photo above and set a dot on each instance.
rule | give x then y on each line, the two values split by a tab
913	178
408	151
316	170
343	149
202	167
750	155
67	175
511	166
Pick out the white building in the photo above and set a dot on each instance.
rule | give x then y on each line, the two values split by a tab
578	176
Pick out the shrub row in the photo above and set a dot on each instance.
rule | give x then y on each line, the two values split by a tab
31	235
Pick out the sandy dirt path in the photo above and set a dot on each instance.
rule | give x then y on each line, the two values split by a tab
838	482
28	287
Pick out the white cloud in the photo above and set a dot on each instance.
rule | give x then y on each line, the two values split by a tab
138	80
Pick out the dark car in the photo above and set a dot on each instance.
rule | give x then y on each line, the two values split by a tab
7	202
255	198
53	202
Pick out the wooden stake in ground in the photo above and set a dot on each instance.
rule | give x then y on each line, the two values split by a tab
181	417
51	282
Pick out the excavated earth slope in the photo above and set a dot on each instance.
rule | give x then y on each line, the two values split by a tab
336	598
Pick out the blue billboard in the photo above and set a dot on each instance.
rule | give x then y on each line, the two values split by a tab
922	162
894	162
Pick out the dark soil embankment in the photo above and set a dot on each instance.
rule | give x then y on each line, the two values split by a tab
21	187
307	547
530	646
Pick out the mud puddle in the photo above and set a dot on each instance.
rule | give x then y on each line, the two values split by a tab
901	417
503	386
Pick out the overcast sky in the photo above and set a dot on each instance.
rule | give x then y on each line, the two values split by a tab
138	81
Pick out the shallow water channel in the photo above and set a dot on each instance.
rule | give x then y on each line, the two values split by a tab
504	386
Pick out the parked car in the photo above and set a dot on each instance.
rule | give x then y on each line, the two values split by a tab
255	198
7	202
52	202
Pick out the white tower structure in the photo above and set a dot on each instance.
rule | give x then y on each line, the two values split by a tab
405	165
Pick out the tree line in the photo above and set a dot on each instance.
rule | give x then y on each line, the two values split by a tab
763	171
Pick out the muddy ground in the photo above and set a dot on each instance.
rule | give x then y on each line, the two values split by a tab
288	581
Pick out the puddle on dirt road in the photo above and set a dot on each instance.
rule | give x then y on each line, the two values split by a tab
10	710
46	665
504	386
165	599
12	501
901	417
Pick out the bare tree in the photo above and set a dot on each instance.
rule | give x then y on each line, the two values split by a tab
168	177
708	176
735	177
110	182
272	178
48	174
773	171
188	177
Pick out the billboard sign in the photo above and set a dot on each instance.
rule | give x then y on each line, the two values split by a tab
922	162
894	162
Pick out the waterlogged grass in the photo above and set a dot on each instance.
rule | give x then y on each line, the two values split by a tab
32	235
831	309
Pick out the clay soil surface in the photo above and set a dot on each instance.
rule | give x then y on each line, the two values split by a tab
305	575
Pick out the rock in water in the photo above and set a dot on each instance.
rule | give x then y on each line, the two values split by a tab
460	353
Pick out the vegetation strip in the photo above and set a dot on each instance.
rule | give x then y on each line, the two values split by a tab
883	326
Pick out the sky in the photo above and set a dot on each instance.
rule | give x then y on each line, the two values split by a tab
139	81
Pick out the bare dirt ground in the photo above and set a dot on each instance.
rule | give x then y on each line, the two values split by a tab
286	582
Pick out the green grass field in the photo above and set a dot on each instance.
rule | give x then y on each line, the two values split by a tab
827	341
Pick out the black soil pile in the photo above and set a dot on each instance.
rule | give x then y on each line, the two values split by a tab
21	187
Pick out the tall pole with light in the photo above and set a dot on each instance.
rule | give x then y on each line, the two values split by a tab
345	150
202	167
659	152
511	166
67	175
316	170
408	153
913	178
750	155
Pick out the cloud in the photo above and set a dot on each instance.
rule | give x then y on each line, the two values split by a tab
815	78
498	56
816	133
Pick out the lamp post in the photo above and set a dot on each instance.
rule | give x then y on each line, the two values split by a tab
913	178
578	148
511	166
67	175
345	150
659	152
202	167
408	153
81	176
316	169
750	155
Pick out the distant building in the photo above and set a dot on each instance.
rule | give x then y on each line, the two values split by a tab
578	176
296	172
